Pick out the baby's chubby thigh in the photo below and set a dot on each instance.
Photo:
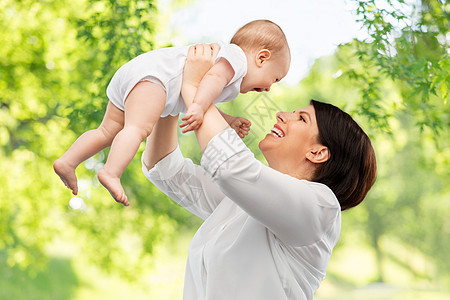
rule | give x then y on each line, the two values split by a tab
144	106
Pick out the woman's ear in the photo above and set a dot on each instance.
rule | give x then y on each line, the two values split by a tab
262	56
319	154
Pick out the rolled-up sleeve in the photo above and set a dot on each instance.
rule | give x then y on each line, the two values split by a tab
186	183
298	212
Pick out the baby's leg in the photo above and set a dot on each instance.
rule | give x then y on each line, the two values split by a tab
143	107
88	144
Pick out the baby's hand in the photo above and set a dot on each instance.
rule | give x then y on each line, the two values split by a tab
193	118
241	126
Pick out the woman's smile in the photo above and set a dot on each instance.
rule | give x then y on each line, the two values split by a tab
277	132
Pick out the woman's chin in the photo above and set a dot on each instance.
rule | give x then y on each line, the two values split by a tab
264	143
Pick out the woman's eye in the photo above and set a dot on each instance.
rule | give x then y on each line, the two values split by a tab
300	117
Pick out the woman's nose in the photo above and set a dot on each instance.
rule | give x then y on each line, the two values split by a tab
280	117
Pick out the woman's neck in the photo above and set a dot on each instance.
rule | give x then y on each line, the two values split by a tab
303	170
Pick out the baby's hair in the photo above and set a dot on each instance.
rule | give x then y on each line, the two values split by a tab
260	34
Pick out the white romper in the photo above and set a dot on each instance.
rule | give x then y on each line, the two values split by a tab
165	67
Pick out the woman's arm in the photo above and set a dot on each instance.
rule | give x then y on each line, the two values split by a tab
200	80
197	65
179	178
297	212
210	86
162	141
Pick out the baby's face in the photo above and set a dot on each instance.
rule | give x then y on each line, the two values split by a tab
261	75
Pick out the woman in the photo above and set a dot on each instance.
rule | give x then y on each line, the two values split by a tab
269	230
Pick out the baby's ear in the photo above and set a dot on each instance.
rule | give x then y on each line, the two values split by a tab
262	56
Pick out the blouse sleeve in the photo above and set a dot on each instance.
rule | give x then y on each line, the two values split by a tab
186	183
298	212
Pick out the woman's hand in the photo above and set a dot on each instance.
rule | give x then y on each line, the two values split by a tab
199	60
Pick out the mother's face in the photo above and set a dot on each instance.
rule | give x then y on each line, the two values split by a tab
293	139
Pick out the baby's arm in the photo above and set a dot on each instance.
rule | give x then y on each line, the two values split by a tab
239	124
227	117
209	89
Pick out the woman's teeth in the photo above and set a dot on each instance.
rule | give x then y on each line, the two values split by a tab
277	132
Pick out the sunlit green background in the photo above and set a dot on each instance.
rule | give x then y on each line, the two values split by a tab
56	58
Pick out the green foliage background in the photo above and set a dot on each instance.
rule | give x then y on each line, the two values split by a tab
57	58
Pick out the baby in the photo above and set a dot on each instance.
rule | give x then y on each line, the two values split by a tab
149	87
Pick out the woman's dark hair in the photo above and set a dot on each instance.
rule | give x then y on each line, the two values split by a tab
351	170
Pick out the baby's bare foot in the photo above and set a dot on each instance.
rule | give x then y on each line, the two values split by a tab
67	174
112	184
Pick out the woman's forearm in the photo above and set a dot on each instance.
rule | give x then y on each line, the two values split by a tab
198	63
213	122
162	141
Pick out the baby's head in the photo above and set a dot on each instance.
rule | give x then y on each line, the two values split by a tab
267	52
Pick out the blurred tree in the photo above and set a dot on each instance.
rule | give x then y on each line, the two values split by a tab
408	42
57	58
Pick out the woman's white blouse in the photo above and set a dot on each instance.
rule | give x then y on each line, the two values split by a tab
266	235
